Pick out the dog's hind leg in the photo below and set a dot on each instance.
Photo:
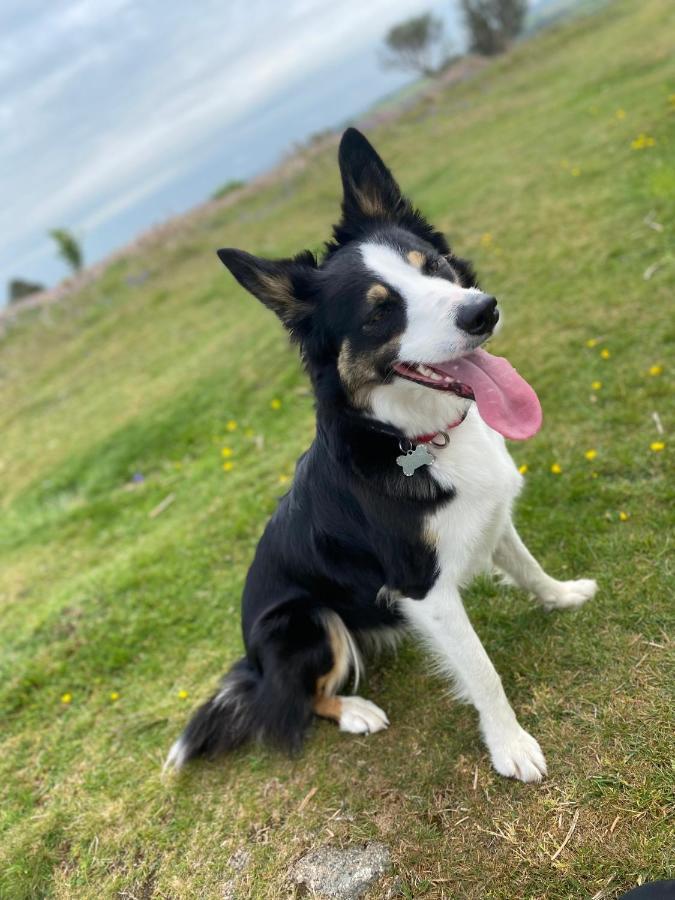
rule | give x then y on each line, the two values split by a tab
513	558
298	657
298	654
353	714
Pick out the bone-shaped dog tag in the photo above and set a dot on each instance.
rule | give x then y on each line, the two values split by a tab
414	459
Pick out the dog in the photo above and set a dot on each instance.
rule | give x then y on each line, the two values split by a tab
405	494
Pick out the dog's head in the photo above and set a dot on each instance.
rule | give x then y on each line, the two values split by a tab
390	320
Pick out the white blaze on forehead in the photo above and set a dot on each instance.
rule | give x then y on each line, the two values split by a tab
431	334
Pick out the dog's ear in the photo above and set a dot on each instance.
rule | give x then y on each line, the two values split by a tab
284	285
370	190
371	196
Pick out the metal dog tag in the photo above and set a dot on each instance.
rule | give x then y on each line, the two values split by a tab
414	459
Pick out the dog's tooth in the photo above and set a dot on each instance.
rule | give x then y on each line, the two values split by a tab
435	376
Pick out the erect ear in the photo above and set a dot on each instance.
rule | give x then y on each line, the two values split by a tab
371	195
370	190
283	285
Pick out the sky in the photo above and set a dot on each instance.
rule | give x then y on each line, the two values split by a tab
115	114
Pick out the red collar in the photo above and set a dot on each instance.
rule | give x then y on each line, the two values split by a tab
429	438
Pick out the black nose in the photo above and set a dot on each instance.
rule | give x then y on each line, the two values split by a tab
478	317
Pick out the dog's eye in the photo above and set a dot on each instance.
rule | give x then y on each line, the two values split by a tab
439	264
378	315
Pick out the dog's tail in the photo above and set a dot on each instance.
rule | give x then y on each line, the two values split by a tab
269	695
226	721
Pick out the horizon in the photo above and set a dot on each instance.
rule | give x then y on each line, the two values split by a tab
119	117
125	155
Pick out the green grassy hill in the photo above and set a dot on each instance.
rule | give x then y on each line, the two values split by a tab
125	540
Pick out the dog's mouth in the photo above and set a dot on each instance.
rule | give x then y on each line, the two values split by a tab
434	378
505	401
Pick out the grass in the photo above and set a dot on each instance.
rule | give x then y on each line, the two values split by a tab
530	169
233	185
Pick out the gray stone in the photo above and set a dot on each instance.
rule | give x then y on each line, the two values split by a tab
343	874
229	890
239	860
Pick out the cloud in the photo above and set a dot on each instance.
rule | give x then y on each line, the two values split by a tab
107	102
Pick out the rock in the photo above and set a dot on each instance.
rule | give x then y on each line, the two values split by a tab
343	874
229	890
239	860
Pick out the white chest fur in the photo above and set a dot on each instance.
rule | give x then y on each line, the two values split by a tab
486	482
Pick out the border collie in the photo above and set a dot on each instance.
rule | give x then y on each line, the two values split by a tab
405	494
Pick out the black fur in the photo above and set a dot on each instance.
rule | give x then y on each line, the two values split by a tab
352	522
262	696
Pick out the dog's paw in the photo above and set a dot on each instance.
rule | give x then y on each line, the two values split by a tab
359	716
568	594
518	756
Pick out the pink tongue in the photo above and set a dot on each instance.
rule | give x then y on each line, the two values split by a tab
505	400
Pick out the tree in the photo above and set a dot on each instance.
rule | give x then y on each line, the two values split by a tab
414	45
20	288
68	247
493	24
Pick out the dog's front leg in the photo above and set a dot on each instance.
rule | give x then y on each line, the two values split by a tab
513	558
441	621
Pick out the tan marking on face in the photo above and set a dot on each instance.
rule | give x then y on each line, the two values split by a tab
416	259
355	371
359	373
377	292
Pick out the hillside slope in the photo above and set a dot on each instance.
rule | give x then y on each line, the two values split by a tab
125	540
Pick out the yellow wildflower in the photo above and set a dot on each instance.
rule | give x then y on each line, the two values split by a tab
596	385
249	433
66	698
183	695
226	452
284	479
522	469
590	455
657	446
604	353
575	172
231	425
486	239
228	465
592	342
556	468
655	370
276	403
620	113
624	516
114	696
642	141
